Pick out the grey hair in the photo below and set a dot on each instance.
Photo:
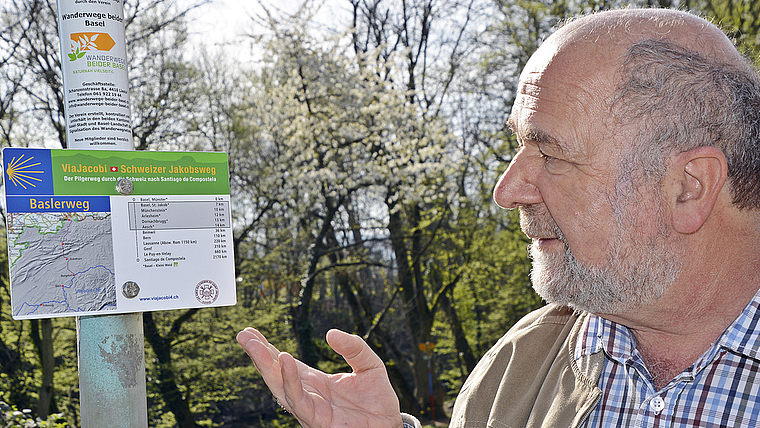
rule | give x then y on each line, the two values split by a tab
680	100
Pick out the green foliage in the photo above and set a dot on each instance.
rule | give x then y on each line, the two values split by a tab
14	418
739	19
214	375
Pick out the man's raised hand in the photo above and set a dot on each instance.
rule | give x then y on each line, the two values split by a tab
363	398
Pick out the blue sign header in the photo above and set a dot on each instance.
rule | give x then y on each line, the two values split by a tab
57	204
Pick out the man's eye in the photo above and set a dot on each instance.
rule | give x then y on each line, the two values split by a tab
547	158
555	165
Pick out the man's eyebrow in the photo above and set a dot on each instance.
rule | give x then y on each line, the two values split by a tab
537	136
543	138
511	124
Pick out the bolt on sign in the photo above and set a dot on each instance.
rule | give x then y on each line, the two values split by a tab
94	66
104	232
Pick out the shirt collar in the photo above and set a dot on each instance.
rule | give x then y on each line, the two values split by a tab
597	334
743	335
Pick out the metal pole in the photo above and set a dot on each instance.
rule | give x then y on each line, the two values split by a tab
112	371
112	390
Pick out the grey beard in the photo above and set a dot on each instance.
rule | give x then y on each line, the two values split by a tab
634	274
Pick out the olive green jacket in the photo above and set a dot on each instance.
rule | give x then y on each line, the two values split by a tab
530	377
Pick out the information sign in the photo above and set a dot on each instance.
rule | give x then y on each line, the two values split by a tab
94	64
78	247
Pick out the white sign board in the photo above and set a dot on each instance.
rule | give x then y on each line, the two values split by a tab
78	247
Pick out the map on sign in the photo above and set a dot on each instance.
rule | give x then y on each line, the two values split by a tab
76	247
57	249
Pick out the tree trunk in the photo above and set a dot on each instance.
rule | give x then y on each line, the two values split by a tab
45	405
42	336
303	329
418	314
460	339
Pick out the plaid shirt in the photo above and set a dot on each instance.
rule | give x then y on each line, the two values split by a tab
721	389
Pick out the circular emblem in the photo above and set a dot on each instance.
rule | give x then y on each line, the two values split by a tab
206	292
130	289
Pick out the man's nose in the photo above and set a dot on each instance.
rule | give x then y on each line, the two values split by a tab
516	186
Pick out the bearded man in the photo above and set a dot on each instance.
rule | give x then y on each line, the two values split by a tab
638	181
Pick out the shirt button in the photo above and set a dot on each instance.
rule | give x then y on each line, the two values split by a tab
657	404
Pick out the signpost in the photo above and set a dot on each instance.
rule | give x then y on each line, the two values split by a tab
98	116
112	232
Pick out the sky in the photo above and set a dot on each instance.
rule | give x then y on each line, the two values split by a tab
221	20
225	23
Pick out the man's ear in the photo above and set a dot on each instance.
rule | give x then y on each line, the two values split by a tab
697	178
